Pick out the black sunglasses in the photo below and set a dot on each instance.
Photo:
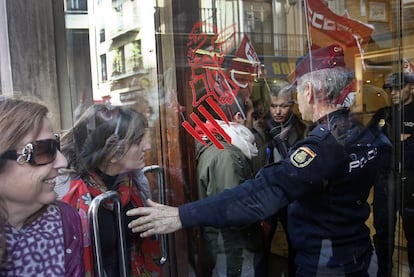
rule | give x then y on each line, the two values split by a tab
36	153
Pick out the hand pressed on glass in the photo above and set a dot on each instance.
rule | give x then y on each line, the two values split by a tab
154	219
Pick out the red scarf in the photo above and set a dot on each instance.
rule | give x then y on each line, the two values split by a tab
80	195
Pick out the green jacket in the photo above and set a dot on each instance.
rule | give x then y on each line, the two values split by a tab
218	170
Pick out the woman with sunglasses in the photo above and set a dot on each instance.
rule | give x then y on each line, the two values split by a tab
105	149
40	236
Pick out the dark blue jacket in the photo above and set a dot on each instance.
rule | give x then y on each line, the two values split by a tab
326	178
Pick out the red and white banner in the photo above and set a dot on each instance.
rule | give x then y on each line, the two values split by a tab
327	28
246	62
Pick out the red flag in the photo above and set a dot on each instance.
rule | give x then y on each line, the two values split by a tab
327	28
245	66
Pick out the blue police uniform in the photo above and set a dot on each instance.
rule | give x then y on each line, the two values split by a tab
326	178
389	195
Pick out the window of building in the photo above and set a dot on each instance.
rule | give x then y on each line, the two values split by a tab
104	73
118	62
77	5
102	35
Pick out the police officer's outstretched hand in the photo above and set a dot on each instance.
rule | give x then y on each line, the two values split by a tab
154	219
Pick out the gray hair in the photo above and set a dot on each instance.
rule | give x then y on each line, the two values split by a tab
327	83
283	90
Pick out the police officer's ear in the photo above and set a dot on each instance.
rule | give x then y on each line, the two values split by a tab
308	93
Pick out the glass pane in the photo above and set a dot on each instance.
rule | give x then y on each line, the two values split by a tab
186	64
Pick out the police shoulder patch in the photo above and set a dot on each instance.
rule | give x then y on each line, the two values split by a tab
302	157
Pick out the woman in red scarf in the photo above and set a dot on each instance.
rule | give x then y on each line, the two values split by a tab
105	150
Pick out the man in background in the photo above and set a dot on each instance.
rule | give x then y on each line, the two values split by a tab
284	129
397	122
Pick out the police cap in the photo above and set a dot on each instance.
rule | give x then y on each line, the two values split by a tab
399	80
326	57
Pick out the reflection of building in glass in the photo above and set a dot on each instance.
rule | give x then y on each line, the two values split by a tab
123	34
76	6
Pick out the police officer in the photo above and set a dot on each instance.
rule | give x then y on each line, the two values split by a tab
388	195
326	177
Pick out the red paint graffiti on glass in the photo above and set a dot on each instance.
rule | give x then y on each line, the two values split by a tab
205	55
211	84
